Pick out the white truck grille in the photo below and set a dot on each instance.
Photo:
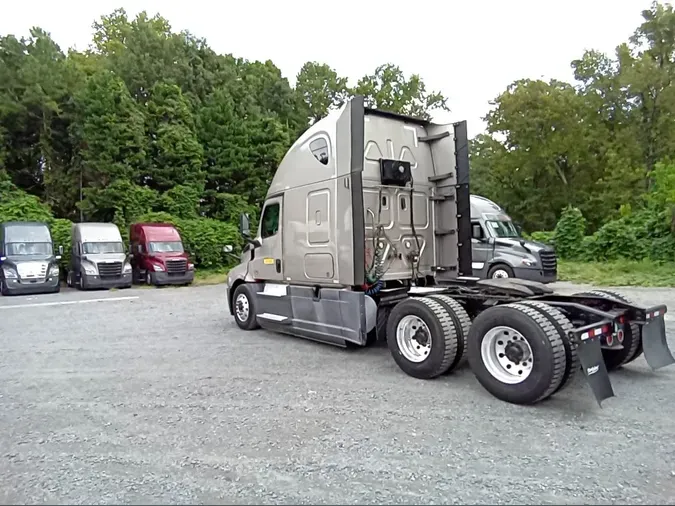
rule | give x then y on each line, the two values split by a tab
32	270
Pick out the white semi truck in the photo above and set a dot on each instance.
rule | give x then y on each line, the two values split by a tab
365	234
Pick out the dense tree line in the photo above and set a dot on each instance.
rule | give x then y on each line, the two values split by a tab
150	123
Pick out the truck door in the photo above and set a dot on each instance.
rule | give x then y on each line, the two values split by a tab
481	249
268	262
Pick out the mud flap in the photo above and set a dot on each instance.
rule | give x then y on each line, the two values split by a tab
593	366
654	343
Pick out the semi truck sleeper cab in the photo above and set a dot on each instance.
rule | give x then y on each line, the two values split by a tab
499	251
27	261
365	235
158	256
98	259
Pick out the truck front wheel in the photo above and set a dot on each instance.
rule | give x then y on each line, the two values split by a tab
422	337
243	301
516	353
501	271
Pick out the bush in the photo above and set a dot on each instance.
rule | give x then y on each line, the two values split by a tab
545	237
16	205
569	233
612	241
61	236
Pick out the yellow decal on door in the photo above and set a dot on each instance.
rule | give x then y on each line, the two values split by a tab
268	261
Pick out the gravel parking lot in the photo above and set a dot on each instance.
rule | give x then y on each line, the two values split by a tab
156	397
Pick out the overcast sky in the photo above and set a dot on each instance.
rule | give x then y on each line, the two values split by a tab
469	50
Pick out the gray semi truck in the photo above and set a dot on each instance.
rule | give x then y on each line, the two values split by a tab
499	250
98	258
28	264
365	235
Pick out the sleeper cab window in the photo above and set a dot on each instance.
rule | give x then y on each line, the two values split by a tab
270	221
319	148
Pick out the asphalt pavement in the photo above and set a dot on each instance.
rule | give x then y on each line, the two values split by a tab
154	396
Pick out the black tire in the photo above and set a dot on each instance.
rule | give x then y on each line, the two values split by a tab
462	325
69	279
548	349
149	278
563	326
250	323
501	267
632	339
443	336
3	288
83	283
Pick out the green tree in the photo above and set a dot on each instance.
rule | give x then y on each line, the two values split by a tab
110	137
387	88
321	89
175	152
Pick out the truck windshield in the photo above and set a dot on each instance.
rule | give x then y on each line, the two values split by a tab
101	248
502	228
29	248
166	247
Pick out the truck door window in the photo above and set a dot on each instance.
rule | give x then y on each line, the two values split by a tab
319	148
270	221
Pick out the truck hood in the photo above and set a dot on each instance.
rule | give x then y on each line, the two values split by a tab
106	257
522	245
164	256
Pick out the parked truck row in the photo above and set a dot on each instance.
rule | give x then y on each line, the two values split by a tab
29	262
369	233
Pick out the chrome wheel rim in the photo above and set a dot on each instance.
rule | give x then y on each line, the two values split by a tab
413	338
500	273
241	307
507	355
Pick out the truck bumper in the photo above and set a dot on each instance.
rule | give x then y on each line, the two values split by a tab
25	287
163	278
535	275
94	281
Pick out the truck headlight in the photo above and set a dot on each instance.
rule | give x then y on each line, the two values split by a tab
89	269
191	267
127	268
528	262
9	273
54	271
158	267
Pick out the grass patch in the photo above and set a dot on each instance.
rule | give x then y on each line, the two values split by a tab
210	277
618	273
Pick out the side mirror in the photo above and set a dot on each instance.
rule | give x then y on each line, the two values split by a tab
57	258
227	248
477	232
245	225
139	248
60	250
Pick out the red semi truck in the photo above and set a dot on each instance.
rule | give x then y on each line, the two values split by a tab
158	256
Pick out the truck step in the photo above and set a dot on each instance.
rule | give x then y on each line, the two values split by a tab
443	268
445	231
433	138
441	177
441	198
274	317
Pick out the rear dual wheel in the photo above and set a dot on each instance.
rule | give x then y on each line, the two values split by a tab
520	352
424	337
